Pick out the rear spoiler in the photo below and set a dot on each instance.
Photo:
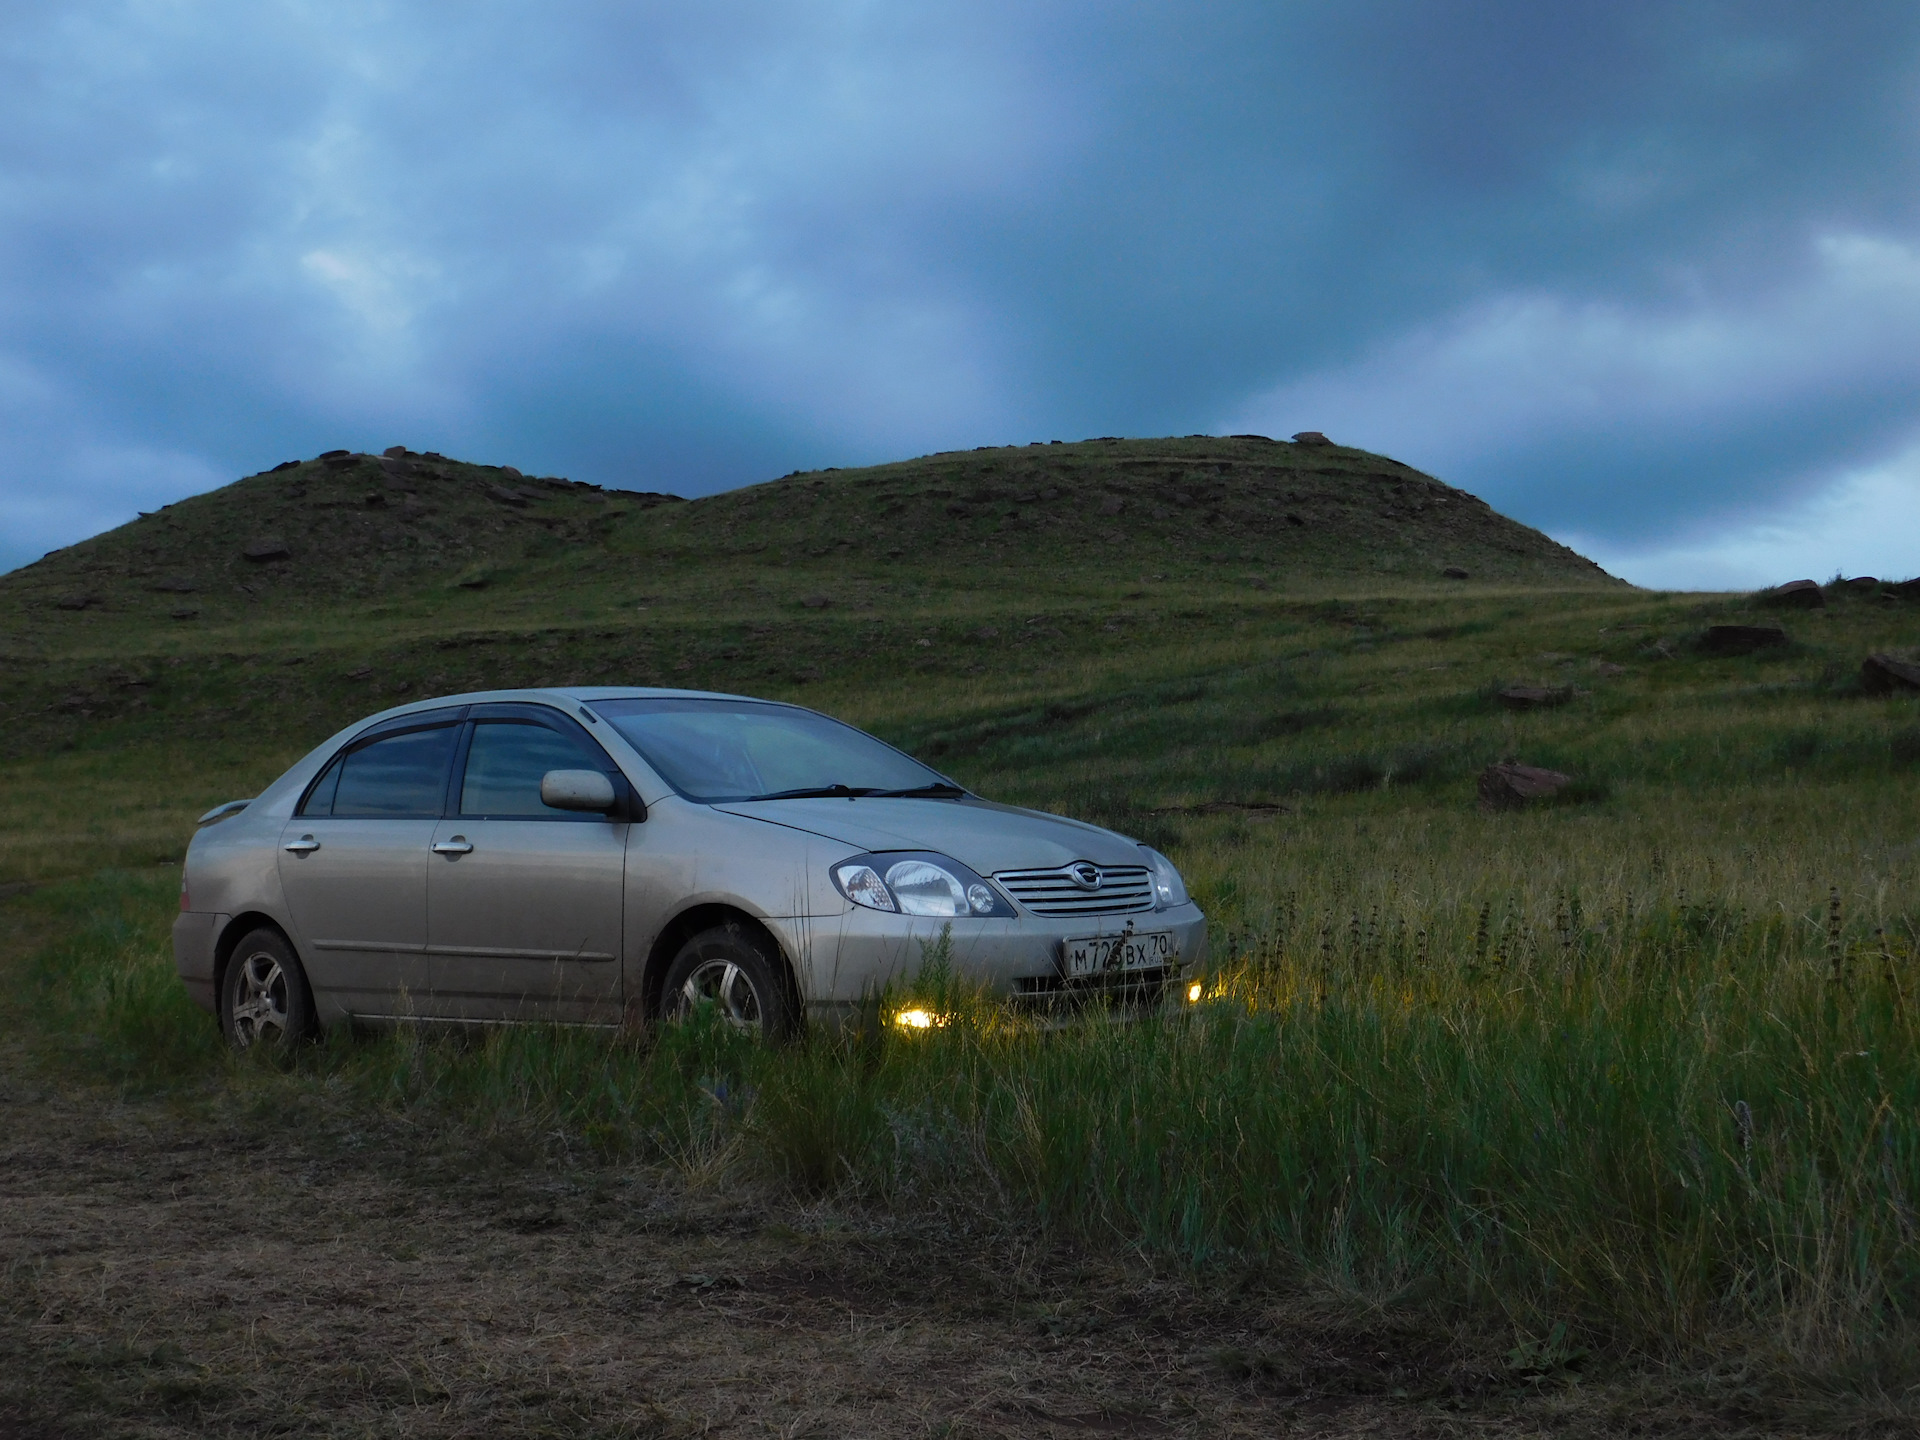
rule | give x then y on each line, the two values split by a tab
221	812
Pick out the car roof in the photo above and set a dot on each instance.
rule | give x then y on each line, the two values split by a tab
559	694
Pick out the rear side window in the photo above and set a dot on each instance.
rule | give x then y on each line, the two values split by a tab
396	777
320	798
505	762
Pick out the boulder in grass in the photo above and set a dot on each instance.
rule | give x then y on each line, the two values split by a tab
1861	584
1741	639
267	548
1311	437
1535	697
1512	786
507	496
1454	572
1795	595
1905	590
1884	675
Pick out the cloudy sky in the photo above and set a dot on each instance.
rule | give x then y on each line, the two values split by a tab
1646	275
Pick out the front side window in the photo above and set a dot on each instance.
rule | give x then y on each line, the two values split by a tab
505	762
396	777
711	750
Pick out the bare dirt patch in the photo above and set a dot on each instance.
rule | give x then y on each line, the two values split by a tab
172	1274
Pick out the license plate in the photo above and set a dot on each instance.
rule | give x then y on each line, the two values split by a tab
1107	954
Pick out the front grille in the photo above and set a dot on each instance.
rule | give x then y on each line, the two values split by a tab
1122	890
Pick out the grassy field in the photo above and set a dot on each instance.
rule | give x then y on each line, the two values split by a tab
1623	1085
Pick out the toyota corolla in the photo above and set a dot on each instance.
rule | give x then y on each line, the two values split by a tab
601	856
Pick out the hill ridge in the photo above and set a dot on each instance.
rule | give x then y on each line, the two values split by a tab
420	529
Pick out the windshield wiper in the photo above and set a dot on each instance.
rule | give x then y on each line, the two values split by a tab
817	792
854	792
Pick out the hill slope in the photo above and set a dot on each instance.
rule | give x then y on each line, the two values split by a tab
346	529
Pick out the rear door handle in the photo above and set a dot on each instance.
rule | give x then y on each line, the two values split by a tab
458	845
305	845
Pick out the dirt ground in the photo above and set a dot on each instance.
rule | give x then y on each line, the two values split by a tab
167	1275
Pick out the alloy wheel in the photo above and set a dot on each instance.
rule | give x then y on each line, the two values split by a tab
260	1000
728	988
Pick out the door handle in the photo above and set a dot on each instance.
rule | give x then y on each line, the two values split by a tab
458	845
305	845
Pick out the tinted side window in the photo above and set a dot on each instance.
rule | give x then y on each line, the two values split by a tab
319	800
505	762
401	776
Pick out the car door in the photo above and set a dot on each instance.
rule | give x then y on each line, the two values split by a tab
524	902
353	864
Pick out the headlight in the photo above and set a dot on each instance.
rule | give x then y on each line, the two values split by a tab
1169	889
917	883
923	888
863	886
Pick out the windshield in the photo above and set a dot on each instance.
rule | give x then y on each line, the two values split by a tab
712	750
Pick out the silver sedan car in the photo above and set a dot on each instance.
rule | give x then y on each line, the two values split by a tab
606	856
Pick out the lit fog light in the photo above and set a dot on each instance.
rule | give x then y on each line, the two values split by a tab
919	1020
1194	992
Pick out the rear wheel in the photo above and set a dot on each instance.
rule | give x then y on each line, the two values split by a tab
265	1000
738	973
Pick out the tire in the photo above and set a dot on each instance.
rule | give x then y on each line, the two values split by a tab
264	997
740	972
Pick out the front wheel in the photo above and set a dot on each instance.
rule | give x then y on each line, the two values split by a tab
265	1000
738	973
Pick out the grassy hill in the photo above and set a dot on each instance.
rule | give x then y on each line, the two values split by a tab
1132	630
1634	1072
457	543
383	576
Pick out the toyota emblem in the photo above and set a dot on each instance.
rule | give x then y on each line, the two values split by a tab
1086	876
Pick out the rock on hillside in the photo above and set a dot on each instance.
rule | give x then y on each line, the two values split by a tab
347	526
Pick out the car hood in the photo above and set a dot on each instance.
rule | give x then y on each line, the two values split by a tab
977	833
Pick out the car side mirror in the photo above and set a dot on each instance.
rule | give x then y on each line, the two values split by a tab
586	790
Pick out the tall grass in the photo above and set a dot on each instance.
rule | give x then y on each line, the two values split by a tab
1638	1072
1655	1123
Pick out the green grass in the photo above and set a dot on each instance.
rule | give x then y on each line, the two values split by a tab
1655	1121
1634	1074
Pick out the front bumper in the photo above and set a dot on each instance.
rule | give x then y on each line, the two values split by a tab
861	952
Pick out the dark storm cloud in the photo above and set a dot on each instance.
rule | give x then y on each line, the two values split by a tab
1630	270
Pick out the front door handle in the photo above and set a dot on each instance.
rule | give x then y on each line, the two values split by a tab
458	845
305	845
